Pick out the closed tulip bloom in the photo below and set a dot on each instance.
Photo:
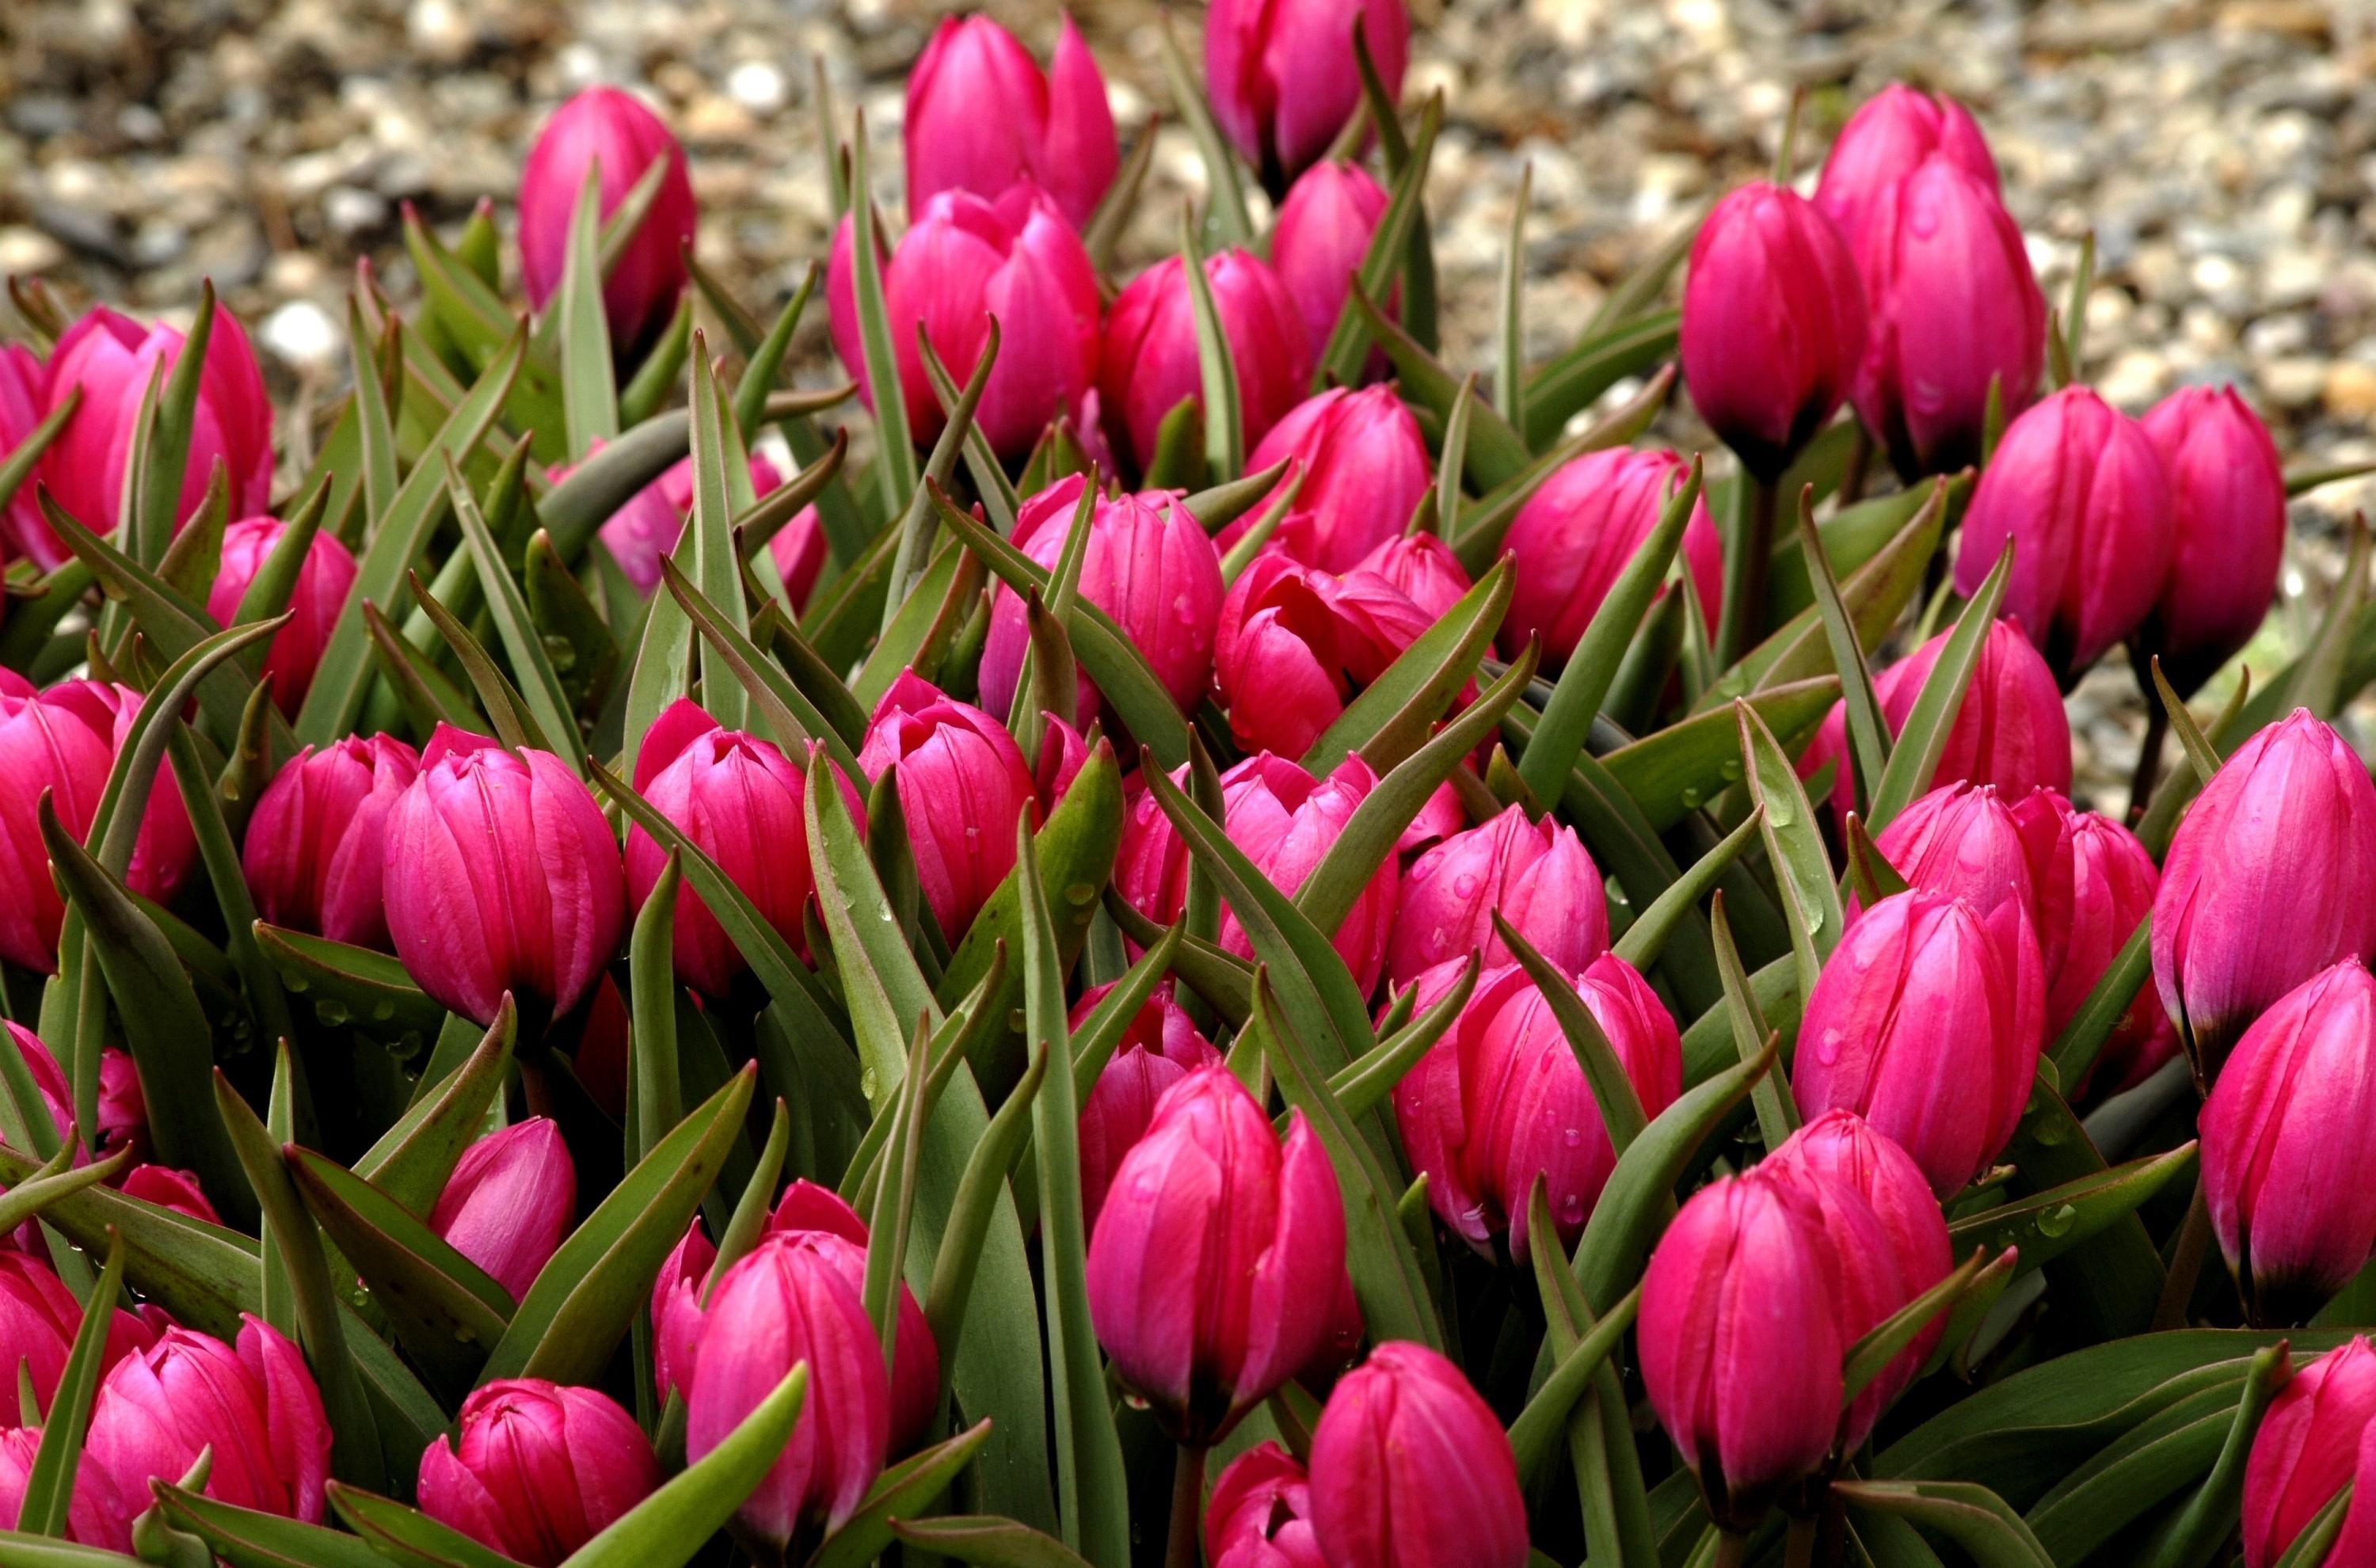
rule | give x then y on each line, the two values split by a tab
1149	362
1321	237
38	1317
254	1404
1161	1045
788	1301
962	788
2228	513
1892	133
1421	568
2096	883
1411	1469
2310	1442
647	527
123	1116
1293	642
2080	489
538	1469
95	1515
1573	537
1150	565
603	126
738	798
1740	1341
2010	732
1773	327
501	875
1260	1514
1952	306
1966	841
966	259
327	573
1926	1022
1216	1257
2289	1146
168	1188
1500	1103
1282	76
509	1202
983	116
1364	467
2267	882
317	841
110	357
1537	875
24	391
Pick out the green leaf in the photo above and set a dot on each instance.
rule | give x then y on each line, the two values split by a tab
202	1274
1224	418
1495	452
1972	1517
1778	1114
1923	738
902	1492
896	451
1229	217
792	719
1546	1415
885	990
357	984
2318	1537
1888	1339
1672	772
1646	937
1617	1525
1558	391
979	1190
244	1538
986	1540
2046	1224
588	394
1622	1112
2192	1539
658	376
1794	847
1393	714
2076	1050
50	1481
667	1528
539	684
1362	1085
1867	731
159	468
407	1537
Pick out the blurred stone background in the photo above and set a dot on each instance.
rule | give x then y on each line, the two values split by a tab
2224	151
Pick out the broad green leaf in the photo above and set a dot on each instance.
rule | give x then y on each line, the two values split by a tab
531	665
203	1275
1672	772
2194	1539
158	470
986	1540
1559	390
887	993
1616	1508
1362	1085
1393	716
651	982
1794	849
349	985
792	719
1923	738
1972	1517
1546	1415
895	452
903	1491
1223	418
1888	1339
244	1538
1867	731
2046	1224
589	397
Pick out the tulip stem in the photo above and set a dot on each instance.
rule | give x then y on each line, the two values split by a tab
2185	1265
2148	773
1744	598
1731	1550
1799	1547
1187	1507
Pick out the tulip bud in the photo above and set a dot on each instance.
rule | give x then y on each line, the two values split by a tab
1260	1515
1740	1339
1774	323
23	403
1421	568
1364	469
962	788
509	1202
2080	489
255	1405
318	838
323	580
1537	875
1215	1255
1282	76
1293	642
1323	236
739	800
1926	1022
1150	364
540	1469
1411	1469
38	1317
169	1188
966	259
2312	1441
788	1301
1500	1103
1886	1231
1160	1046
1893	133
2267	882
2094	884
2288	1141
502	874
1964	841
123	1118
1150	565
2010	732
2227	516
640	532
111	358
982	117
605	126
95	1515
1573	537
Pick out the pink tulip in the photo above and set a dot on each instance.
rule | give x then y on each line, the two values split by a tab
1411	1469
1321	237
1364	467
1282	77
2096	883
123	1116
1260	1514
1963	840
509	1202
1893	133
24	399
1537	877
255	1405
95	1515
647	527
111	358
1293	642
2081	491
318	840
1927	1021
168	1188
1421	568
738	798
1160	1046
790	1301
982	117
1774	323
1573	537
1741	1338
1150	565
1216	1256
2312	1441
966	259
1149	361
320	597
2228	513
962	787
502	874
2268	881
38	1317
1501	1101
538	1469
601	126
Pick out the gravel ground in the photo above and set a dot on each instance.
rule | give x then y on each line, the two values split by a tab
2223	152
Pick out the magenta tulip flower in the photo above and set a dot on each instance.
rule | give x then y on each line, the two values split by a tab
1293	642
1537	875
1321	237
1149	364
327	573
24	400
1364	467
95	1515
603	126
538	1469
962	788
1573	537
1160	1046
1965	840
1282	76
38	1317
1892	133
2312	1441
1421	568
648	526
983	116
1411	1469
509	1203
317	840
2094	884
1260	1514
2228	511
